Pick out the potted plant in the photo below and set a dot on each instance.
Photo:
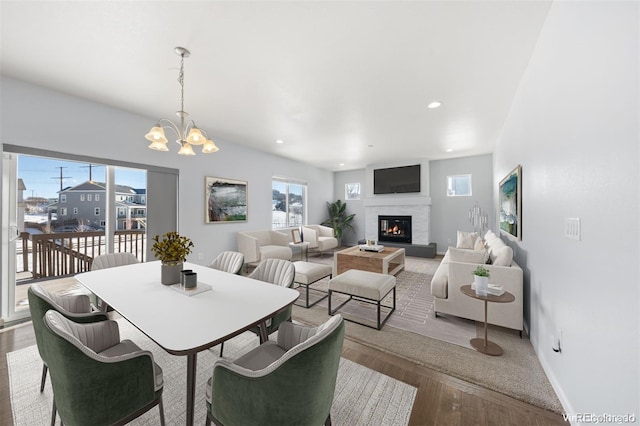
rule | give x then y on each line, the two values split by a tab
481	280
172	250
338	219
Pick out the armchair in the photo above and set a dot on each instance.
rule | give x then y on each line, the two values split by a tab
98	379
301	368
257	246
319	237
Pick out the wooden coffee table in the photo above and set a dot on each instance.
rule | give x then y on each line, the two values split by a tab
389	261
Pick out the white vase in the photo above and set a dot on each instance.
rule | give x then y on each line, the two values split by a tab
481	284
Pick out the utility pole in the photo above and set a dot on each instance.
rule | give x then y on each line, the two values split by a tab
90	167
61	177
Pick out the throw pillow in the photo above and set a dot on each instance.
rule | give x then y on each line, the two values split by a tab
466	240
479	246
504	256
467	256
494	246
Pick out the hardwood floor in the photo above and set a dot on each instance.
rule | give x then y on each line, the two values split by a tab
440	400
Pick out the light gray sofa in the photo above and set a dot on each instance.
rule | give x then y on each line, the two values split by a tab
456	269
257	246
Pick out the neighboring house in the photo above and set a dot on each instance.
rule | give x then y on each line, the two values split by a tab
83	206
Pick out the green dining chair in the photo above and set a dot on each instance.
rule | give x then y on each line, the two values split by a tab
98	379
288	382
76	307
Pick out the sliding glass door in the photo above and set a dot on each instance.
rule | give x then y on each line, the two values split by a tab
61	211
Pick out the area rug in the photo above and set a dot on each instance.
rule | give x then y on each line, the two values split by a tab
414	309
362	396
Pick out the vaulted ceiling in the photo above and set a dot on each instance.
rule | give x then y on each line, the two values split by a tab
342	84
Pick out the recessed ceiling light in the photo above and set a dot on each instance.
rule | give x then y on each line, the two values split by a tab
342	164
279	141
449	150
434	104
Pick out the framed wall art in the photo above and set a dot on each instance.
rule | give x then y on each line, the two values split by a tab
225	200
352	191
510	204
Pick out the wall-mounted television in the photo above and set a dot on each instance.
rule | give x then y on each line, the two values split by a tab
396	180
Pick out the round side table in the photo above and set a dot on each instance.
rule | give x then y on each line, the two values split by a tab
484	345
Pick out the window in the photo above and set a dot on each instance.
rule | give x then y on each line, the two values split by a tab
103	223
97	197
97	211
288	203
459	186
81	197
351	191
63	211
63	198
75	210
88	197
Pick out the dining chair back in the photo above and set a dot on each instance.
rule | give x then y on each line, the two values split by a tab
228	261
76	307
112	260
275	271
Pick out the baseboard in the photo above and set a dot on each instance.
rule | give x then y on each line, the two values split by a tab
555	384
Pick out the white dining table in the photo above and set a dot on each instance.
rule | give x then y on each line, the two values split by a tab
183	324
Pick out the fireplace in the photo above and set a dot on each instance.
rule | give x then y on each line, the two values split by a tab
396	229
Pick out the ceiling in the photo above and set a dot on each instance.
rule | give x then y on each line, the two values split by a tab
343	84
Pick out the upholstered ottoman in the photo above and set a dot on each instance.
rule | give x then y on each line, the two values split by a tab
369	287
308	273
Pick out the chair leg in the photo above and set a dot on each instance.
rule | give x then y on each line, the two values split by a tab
44	377
221	348
161	408
53	414
327	422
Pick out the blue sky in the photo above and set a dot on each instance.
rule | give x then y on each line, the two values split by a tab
41	175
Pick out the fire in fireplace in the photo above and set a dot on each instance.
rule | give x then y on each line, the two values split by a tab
394	229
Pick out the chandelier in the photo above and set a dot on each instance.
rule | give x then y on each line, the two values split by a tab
188	133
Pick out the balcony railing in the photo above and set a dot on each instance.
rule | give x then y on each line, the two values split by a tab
68	253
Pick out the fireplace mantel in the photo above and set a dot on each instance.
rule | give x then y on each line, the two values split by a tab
379	201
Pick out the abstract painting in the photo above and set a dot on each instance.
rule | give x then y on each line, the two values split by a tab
510	207
225	200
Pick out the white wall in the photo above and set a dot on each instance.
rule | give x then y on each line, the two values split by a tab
353	206
574	128
450	214
39	118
